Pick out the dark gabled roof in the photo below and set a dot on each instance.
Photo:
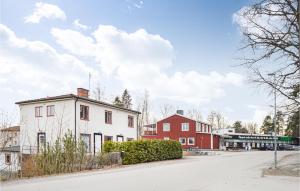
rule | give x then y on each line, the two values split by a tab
183	117
13	128
72	96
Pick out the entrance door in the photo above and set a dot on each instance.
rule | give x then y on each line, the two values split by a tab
97	142
41	141
120	138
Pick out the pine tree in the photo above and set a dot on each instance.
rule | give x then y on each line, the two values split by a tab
267	125
279	123
239	128
118	102
293	125
126	99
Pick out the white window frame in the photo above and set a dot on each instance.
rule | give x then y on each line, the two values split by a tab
50	110
198	127
180	140
185	126
191	138
166	127
38	110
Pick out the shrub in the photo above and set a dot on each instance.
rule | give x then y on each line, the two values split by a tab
145	150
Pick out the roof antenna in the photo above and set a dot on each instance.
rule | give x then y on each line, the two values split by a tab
90	76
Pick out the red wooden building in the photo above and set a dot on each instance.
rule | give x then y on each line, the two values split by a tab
190	133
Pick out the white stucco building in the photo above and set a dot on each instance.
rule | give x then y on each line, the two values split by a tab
47	119
9	149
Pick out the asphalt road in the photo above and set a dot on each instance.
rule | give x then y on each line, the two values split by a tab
239	171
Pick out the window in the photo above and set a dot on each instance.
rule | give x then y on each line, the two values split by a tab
108	117
86	138
182	141
184	127
130	139
8	159
38	111
130	121
191	141
84	112
198	127
166	138
50	110
108	138
166	126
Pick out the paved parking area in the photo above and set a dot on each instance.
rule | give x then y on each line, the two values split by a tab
239	171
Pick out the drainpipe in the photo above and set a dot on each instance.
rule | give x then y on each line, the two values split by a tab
75	120
211	138
137	127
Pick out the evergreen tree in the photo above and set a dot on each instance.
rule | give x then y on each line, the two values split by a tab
126	99
267	125
239	128
118	102
279	123
293	125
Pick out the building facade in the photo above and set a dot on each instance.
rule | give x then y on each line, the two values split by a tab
9	149
255	141
190	133
47	119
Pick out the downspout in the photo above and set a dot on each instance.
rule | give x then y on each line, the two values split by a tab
137	127
75	120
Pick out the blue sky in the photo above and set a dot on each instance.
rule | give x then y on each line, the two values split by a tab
183	52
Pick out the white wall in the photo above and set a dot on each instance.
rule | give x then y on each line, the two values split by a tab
14	166
54	127
9	138
64	119
96	122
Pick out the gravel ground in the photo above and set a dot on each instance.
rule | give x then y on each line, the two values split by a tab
236	171
289	165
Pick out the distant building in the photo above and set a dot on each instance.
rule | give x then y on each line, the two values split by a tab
10	136
224	131
253	141
9	149
45	120
190	133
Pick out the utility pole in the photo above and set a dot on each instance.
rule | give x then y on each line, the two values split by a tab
274	121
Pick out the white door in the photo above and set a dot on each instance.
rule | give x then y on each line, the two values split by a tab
120	138
97	143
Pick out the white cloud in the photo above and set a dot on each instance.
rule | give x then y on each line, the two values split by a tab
33	68
259	113
141	60
74	42
78	25
45	10
134	4
247	19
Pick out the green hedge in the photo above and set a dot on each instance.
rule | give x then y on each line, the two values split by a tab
145	150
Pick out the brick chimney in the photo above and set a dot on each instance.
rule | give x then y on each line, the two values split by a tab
81	92
180	112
